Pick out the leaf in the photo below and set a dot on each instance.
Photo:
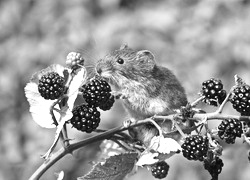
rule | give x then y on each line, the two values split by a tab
109	148
147	158
115	168
160	149
77	81
164	145
39	107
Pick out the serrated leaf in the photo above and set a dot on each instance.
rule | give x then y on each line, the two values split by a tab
115	168
164	145
39	107
109	148
147	158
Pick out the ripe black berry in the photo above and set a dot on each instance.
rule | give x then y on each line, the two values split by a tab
85	118
241	99
160	169
109	103
96	92
51	86
229	129
214	167
74	60
213	91
195	147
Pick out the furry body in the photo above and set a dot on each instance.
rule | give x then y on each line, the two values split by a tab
149	89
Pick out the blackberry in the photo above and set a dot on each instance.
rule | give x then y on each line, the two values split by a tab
51	85
85	118
213	91
214	167
160	169
74	60
109	103
96	92
195	147
229	129
241	99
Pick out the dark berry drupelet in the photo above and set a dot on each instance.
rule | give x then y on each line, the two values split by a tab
160	169
214	167
195	147
96	92
109	103
51	86
213	91
85	118
74	60
241	99
229	129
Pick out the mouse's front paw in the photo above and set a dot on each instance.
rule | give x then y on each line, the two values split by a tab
119	95
127	123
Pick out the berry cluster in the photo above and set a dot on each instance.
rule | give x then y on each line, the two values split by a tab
85	118
195	147
241	99
97	93
229	129
160	169
51	86
74	60
214	167
213	92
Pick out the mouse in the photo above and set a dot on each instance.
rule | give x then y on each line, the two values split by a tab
147	89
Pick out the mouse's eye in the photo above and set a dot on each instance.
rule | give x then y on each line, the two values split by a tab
120	60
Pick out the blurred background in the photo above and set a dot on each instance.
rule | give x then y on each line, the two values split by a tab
196	39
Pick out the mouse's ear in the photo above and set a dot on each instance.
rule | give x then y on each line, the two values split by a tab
124	46
145	56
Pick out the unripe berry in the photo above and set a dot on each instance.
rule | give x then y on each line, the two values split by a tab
74	60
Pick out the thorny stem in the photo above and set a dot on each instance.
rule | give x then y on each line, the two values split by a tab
108	134
72	147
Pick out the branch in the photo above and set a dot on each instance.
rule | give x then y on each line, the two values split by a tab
72	147
108	134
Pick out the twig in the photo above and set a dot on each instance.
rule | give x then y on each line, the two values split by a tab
220	109
107	134
72	147
196	102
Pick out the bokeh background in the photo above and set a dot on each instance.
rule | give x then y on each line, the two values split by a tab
196	39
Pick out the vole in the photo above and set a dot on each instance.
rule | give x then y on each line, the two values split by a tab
149	89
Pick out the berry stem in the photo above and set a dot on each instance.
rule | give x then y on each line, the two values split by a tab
197	101
220	109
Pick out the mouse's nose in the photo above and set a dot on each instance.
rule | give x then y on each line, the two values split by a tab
99	70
